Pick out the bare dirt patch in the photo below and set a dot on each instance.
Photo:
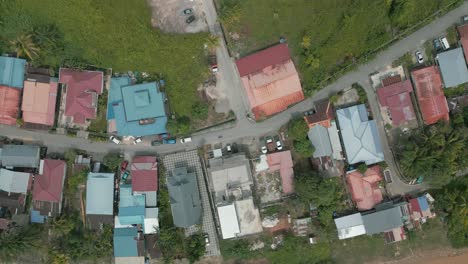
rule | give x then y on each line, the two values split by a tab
168	16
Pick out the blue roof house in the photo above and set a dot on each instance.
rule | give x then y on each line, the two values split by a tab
131	207
360	136
12	72
136	110
126	242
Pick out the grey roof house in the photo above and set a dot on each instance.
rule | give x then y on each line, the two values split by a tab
20	156
318	136
99	199
184	197
386	219
453	67
13	189
360	136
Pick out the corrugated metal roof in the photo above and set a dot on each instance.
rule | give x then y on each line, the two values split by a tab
398	100
282	161
14	181
39	100
384	220
143	101
318	136
22	156
9	105
324	113
184	197
271	84
151	224
350	226
144	171
49	185
125	242
277	54
131	206
79	98
463	31
12	71
100	194
453	67
360	137
432	102
335	141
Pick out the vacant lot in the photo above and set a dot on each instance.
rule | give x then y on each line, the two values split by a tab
113	34
324	36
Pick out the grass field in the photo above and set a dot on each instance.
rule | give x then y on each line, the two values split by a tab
113	34
324	36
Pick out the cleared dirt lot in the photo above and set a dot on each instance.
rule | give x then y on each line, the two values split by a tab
168	15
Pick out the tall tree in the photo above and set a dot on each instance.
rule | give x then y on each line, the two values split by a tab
24	46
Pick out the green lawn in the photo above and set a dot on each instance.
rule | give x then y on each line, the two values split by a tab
324	36
113	34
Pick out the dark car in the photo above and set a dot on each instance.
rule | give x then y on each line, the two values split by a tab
123	165
188	11
190	19
170	141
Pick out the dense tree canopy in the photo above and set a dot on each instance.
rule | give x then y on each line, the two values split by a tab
452	201
17	240
297	132
436	153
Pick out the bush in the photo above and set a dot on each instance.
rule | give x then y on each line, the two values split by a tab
179	126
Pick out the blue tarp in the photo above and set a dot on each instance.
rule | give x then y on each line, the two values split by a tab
423	203
36	217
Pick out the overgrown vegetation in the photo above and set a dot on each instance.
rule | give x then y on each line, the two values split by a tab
324	36
436	152
452	203
113	34
456	91
297	132
100	123
16	241
112	161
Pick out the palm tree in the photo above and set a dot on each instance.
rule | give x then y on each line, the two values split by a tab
25	46
17	240
212	41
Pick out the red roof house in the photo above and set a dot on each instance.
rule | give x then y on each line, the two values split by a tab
463	31
282	162
144	171
39	100
397	99
271	81
48	188
9	105
81	93
364	189
432	102
323	115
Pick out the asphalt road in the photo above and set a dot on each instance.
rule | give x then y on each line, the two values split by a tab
245	128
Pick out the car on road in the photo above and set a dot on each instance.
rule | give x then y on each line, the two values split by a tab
186	140
137	140
188	11
123	165
387	176
114	139
419	57
207	240
169	141
156	142
190	19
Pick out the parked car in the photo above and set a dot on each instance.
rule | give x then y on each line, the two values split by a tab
437	45
169	141
419	57
156	142
207	240
124	165
188	11
190	19
186	140
137	140
228	148
125	176
270	144
114	139
264	150
214	63
278	145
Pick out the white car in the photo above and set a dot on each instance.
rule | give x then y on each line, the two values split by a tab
114	139
207	240
137	140
186	140
419	57
278	145
264	150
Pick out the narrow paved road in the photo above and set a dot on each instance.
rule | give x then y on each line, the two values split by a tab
230	78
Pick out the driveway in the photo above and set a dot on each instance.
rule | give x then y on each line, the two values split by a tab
245	129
